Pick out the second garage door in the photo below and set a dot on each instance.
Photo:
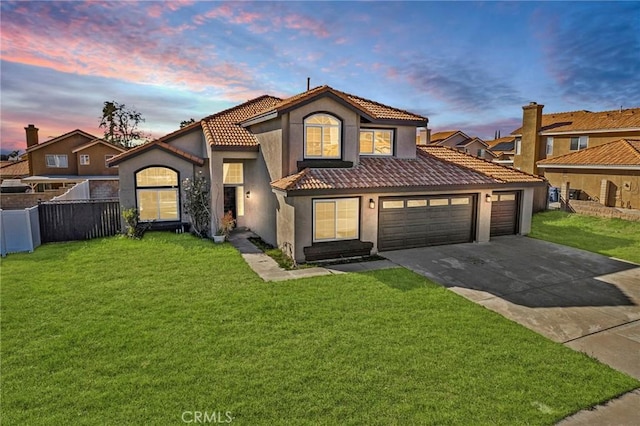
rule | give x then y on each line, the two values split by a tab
419	221
504	213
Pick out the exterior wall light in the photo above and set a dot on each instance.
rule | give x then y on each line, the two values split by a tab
487	198
248	194
372	204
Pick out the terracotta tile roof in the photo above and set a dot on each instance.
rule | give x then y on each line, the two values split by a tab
586	120
496	171
157	144
439	137
496	142
623	152
58	138
222	129
432	167
97	141
373	110
16	169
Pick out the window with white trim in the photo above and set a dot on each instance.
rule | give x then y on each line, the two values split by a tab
157	194
322	136
336	219
579	142
57	161
85	160
518	145
549	149
376	142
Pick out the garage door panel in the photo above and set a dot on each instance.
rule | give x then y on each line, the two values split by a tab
504	213
424	221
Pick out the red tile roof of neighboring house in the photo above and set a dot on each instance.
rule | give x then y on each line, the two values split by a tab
623	152
371	109
494	143
222	129
58	138
97	141
438	137
574	121
432	167
16	169
153	145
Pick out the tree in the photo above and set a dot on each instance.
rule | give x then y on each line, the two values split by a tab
120	124
185	123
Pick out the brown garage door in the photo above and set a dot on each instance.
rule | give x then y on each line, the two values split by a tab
504	213
419	221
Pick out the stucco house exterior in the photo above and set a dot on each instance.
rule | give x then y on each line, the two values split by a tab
328	174
68	159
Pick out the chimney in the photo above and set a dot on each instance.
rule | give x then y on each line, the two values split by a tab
532	150
32	135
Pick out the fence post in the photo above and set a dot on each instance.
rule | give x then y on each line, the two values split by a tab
3	242
29	232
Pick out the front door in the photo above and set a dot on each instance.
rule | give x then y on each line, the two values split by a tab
230	200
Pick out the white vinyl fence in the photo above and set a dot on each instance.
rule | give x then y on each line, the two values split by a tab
19	230
79	191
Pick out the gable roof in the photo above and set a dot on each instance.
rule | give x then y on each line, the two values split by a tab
439	137
59	138
500	143
575	121
433	167
371	110
222	129
15	169
98	141
157	144
472	140
624	153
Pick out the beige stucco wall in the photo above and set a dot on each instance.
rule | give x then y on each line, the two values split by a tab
590	181
192	142
62	147
97	160
562	143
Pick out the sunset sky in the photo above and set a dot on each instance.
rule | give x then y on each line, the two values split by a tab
468	66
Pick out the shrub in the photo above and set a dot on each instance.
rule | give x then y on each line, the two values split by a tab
134	228
197	204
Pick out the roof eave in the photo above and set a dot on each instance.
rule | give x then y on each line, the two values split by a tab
590	166
269	115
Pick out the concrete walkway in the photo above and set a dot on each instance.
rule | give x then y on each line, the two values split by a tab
269	270
586	301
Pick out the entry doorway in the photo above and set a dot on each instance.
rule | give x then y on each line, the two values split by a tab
230	201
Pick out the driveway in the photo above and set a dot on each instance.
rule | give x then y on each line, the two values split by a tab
584	300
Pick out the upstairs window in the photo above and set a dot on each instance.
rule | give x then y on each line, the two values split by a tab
518	146
85	160
579	142
549	150
322	136
59	161
376	142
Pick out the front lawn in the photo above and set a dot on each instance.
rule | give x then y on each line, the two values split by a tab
117	331
610	237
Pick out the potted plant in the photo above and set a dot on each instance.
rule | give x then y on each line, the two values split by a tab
225	226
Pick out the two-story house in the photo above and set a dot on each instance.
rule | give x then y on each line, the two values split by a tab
593	152
328	174
68	159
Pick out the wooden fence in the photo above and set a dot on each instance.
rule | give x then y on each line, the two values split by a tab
78	220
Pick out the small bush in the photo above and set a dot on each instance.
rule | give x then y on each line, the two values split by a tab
134	228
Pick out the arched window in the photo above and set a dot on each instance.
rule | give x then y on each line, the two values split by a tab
322	136
157	194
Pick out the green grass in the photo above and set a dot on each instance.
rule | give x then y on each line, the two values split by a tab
119	331
610	237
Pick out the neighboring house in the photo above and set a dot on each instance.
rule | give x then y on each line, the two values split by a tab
68	159
459	140
327	174
551	135
608	173
503	149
